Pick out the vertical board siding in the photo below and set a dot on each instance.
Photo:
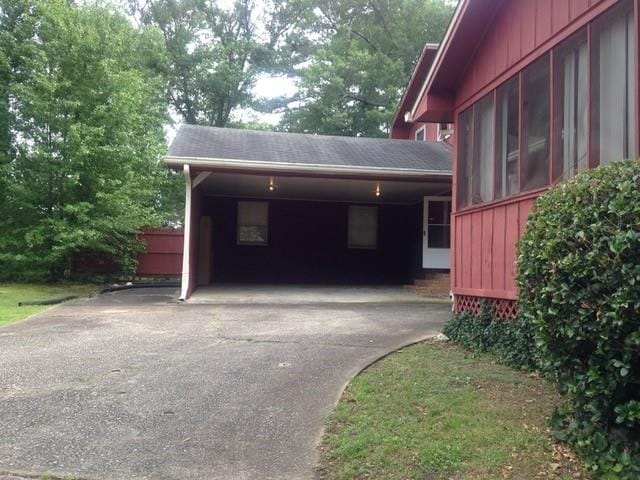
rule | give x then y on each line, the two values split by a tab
498	249
476	250
543	21
518	30
467	244
163	253
485	244
511	238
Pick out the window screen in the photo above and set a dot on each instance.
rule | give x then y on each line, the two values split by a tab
363	227
571	114
482	170
507	138
253	223
614	96
536	125
463	174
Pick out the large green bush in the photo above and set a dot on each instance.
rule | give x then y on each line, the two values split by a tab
579	286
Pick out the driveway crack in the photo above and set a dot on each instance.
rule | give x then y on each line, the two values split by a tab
294	342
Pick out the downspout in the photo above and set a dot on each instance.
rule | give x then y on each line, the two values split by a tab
184	290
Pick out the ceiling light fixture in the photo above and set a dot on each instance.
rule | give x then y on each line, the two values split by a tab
272	187
378	189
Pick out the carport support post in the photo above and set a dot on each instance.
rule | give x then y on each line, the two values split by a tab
184	290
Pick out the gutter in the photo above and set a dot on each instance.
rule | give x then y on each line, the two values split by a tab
253	165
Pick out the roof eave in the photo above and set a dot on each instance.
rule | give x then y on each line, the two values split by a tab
410	91
254	166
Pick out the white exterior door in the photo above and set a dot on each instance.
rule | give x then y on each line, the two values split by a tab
436	232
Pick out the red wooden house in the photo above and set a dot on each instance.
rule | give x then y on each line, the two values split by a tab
538	90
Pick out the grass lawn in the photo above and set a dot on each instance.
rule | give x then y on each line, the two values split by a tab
433	411
12	293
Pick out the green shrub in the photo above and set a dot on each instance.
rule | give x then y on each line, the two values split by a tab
579	286
510	342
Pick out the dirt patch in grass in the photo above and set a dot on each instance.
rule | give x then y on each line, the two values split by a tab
434	411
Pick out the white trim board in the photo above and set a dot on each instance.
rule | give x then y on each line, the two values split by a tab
303	167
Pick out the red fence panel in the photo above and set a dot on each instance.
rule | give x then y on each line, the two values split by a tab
163	254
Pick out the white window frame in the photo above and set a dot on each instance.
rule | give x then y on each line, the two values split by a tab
361	246
422	129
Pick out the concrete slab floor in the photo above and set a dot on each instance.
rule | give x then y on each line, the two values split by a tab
305	294
134	385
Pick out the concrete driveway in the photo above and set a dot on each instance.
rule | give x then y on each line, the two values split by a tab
136	385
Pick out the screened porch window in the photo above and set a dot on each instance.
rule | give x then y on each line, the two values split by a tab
536	126
613	93
465	153
507	136
253	221
482	170
571	120
505	139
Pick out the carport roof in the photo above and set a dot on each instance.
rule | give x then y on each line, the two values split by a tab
234	146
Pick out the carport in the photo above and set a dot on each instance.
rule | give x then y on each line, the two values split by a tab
265	207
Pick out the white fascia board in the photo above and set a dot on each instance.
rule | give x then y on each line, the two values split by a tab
254	165
444	45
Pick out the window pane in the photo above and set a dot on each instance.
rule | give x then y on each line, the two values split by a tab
252	234
614	97
571	120
439	236
507	138
253	219
363	227
439	212
463	173
482	171
252	213
536	125
420	135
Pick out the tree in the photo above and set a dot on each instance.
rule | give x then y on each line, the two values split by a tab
216	54
368	49
86	117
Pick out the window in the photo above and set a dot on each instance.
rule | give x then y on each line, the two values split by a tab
507	138
463	173
571	114
613	92
439	224
482	169
363	227
253	223
420	135
536	125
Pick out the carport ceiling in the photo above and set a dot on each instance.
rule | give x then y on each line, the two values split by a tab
321	189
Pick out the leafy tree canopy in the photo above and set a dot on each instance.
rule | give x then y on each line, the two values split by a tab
84	111
216	53
367	51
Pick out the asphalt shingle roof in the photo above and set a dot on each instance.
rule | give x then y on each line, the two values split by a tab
235	144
